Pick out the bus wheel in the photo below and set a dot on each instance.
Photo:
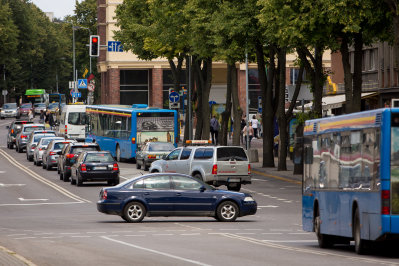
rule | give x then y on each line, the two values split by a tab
359	242
118	154
324	240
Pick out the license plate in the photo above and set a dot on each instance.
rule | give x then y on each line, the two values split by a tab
234	180
99	168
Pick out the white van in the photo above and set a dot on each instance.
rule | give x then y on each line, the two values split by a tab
73	122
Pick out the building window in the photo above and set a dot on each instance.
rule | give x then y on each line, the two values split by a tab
294	73
167	80
134	86
372	59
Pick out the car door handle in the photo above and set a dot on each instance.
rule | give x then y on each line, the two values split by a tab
178	194
147	193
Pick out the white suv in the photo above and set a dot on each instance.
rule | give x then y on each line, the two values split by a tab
215	165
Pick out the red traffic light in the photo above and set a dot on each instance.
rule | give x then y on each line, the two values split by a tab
94	40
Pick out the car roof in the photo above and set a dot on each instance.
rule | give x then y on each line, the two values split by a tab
43	132
83	144
33	125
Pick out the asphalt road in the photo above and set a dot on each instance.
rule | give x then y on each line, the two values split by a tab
50	222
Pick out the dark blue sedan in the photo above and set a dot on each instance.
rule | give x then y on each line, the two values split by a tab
169	194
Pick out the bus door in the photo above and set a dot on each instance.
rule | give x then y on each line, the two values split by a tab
308	185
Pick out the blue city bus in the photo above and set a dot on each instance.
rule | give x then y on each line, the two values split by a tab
351	178
120	129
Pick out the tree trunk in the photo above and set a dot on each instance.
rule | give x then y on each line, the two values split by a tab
266	86
347	74
186	120
357	73
237	111
198	109
223	135
282	121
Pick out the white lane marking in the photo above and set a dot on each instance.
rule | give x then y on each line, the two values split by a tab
268	206
28	237
2	172
155	251
51	237
96	232
290	241
123	177
17	235
304	233
134	235
69	233
192	227
162	234
245	233
42	179
272	233
262	180
42	203
11	185
308	251
193	234
22	199
81	236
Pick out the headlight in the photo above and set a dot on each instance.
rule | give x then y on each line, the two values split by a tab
247	199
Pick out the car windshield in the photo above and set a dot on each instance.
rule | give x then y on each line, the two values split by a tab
40	105
231	153
75	150
53	105
30	129
98	158
10	106
161	147
26	105
77	118
38	137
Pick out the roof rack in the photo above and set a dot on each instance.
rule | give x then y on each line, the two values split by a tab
197	142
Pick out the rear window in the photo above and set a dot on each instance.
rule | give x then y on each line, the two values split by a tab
78	149
98	158
205	153
231	153
30	129
161	147
77	118
59	146
46	141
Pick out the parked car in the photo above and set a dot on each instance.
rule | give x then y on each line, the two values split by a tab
69	154
95	166
22	136
25	108
215	165
184	195
41	148
50	155
151	152
13	130
33	139
38	107
9	110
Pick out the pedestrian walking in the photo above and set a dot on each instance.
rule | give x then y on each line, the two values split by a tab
51	121
255	123
30	115
250	133
215	130
243	124
42	116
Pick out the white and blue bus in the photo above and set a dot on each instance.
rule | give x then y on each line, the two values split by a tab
351	178
120	129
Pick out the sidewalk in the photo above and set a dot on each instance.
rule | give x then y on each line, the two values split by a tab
8	257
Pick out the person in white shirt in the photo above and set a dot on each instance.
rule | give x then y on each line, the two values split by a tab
255	123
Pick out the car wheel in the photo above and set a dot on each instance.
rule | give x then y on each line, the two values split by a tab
38	163
155	171
198	176
323	240
30	158
227	211
61	174
11	145
234	186
134	212
20	150
8	145
27	156
34	161
118	154
65	176
138	166
145	166
79	181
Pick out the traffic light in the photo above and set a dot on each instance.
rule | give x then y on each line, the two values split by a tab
94	45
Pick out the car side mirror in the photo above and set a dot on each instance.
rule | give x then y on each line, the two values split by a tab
202	189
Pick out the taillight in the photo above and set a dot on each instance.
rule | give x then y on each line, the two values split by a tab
116	167
40	149
83	167
215	169
23	136
70	155
104	194
249	169
133	140
51	153
66	129
151	157
385	201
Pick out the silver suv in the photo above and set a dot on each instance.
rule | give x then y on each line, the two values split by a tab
215	165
